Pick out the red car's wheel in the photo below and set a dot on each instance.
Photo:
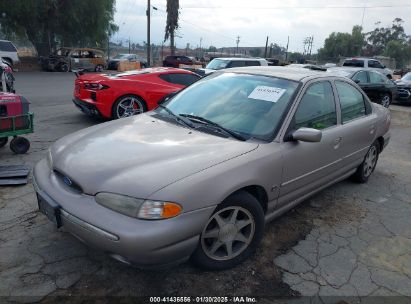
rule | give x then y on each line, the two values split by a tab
128	105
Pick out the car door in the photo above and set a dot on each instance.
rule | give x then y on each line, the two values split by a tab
310	165
358	124
376	86
75	59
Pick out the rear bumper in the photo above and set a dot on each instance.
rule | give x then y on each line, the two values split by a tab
87	108
140	242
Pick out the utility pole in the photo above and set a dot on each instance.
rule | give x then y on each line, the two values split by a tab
311	43
286	52
201	51
266	45
129	45
237	41
108	42
148	33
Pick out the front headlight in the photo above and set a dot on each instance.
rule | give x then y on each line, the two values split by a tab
138	208
49	159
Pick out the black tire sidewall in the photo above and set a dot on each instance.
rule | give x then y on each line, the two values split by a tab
115	105
382	98
3	141
249	202
359	174
19	145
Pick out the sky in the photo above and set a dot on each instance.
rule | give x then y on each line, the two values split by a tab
219	22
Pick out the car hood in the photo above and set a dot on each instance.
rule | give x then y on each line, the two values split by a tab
139	155
403	83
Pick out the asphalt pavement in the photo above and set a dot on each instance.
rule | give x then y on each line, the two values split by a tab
349	243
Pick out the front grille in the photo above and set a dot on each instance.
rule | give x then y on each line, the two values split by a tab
68	182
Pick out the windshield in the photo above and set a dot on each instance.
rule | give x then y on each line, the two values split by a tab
354	63
250	105
121	56
407	77
217	64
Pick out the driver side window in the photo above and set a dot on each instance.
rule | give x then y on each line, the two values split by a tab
317	108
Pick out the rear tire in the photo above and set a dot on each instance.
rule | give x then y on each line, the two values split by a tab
99	68
386	100
128	105
232	233
63	67
368	165
3	141
19	145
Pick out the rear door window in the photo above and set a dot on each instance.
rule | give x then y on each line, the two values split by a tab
252	63
7	46
181	79
317	108
361	77
351	101
236	64
374	64
377	78
354	63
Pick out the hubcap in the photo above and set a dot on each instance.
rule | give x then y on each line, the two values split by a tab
228	233
129	106
385	101
370	161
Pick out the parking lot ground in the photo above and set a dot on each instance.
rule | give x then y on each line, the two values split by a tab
348	241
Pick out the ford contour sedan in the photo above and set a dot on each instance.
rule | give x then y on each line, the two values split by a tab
199	176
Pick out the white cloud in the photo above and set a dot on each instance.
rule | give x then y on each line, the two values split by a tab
218	22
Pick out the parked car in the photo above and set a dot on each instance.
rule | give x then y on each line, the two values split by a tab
113	62
370	63
176	61
234	62
8	52
404	87
377	86
68	59
6	77
129	93
201	175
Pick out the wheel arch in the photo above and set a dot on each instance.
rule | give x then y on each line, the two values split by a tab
380	141
258	192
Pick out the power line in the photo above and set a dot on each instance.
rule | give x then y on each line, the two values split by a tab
299	7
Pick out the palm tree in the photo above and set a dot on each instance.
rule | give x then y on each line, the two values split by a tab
172	22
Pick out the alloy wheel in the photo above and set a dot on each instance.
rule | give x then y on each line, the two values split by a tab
370	161
228	233
385	101
129	106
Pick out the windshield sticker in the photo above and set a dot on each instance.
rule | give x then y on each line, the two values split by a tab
267	93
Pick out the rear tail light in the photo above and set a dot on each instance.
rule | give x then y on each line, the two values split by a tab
95	86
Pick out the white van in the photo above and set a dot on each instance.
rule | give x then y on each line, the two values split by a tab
8	52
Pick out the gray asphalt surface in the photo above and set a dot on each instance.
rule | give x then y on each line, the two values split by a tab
348	242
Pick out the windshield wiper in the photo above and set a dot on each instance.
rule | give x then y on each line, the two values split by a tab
179	118
214	124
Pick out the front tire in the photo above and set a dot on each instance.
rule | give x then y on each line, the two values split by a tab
368	165
232	233
63	67
99	68
128	105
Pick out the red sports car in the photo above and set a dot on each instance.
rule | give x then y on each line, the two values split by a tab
129	93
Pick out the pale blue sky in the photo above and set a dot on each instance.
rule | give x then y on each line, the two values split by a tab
219	22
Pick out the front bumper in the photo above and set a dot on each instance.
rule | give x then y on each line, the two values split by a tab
140	242
404	93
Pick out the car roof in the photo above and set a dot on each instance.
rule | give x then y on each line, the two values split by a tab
158	70
238	58
360	58
350	70
296	74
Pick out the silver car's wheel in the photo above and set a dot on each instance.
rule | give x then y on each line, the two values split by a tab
386	100
370	161
368	165
228	233
231	234
128	106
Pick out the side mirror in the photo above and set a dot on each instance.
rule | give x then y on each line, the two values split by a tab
357	81
307	135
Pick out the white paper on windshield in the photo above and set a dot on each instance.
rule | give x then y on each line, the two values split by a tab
267	93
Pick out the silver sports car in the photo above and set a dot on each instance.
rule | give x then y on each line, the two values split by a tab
200	176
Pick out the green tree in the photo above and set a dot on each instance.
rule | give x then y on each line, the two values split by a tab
256	52
399	50
342	45
378	39
47	23
172	22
